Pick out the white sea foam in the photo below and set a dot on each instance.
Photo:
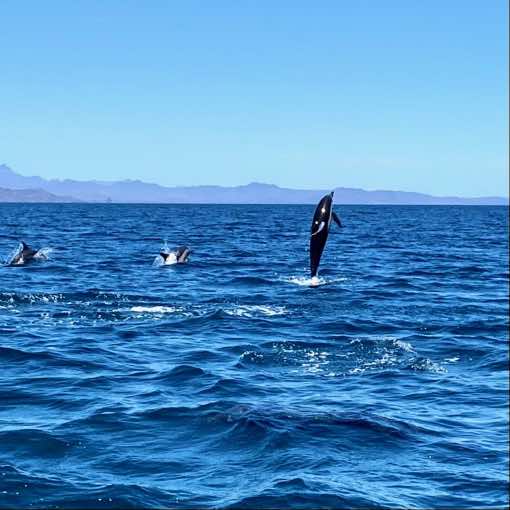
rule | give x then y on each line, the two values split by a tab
316	281
388	352
155	309
307	282
404	345
255	310
387	342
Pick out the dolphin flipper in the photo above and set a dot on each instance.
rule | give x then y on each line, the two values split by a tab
336	219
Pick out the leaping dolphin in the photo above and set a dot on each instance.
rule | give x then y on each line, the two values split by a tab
178	255
320	229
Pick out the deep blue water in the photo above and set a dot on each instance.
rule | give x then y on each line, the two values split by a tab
228	382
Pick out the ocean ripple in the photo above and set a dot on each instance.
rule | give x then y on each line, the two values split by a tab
235	381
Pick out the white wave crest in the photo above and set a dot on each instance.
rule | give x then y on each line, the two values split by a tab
254	310
155	309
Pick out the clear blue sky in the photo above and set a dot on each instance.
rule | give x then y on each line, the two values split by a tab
409	95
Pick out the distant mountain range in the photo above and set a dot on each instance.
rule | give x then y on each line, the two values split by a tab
32	195
19	188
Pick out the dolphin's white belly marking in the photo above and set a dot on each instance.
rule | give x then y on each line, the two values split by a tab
321	226
171	259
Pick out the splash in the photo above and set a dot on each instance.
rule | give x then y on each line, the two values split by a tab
315	281
8	260
170	260
307	282
43	253
160	261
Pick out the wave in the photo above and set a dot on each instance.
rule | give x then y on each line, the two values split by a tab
356	357
232	382
155	309
245	419
302	499
248	281
255	310
48	494
30	442
179	374
46	358
85	297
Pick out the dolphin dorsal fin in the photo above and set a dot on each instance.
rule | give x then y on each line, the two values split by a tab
336	219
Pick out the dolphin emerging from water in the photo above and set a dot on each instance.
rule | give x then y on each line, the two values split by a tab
320	229
22	256
178	255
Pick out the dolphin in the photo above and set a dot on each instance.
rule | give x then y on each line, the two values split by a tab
178	255
320	229
23	255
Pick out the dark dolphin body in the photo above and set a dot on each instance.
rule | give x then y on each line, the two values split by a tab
24	255
181	254
320	230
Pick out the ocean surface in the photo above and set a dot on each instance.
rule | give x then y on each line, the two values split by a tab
230	382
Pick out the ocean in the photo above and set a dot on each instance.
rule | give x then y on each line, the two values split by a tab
230	382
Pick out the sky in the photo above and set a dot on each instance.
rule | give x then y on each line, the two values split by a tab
402	95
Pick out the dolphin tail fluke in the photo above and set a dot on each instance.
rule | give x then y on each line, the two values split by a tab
336	219
164	255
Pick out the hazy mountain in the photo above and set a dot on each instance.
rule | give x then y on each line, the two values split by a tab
31	195
254	193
